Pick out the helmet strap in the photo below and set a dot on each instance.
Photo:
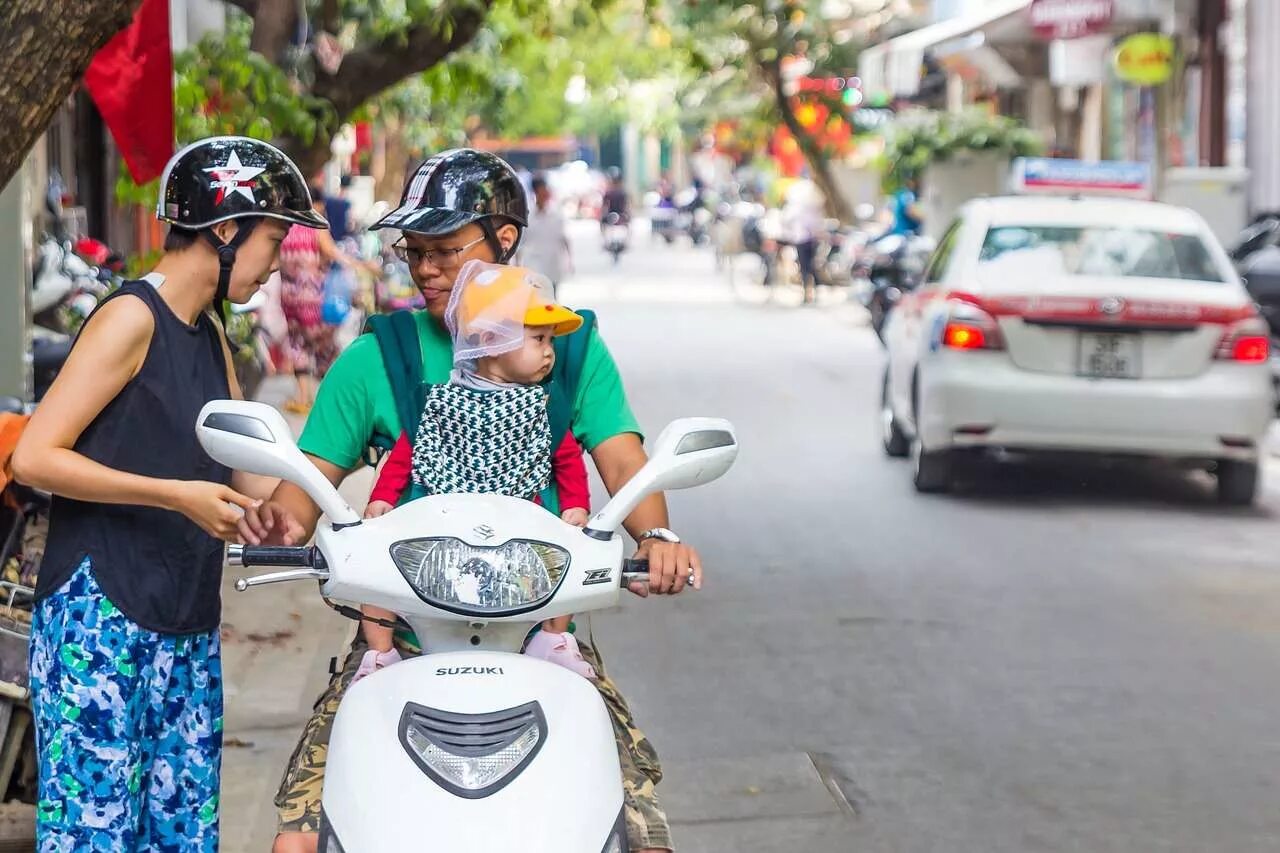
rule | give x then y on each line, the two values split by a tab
503	255
227	259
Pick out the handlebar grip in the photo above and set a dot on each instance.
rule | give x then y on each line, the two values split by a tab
634	571
271	556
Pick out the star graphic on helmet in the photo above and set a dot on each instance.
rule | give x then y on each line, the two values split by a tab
233	178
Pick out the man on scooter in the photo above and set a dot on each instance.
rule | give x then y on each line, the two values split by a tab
458	206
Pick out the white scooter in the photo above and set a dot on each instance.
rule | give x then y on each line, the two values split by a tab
472	747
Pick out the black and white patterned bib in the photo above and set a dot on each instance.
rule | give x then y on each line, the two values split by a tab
484	442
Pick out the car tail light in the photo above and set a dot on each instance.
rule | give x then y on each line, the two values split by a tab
971	328
1247	342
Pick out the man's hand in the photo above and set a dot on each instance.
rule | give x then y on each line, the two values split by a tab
671	566
270	523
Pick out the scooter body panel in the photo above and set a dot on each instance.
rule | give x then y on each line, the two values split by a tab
567	798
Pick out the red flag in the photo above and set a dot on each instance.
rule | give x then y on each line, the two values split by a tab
131	81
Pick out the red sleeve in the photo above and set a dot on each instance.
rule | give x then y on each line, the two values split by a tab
570	473
396	473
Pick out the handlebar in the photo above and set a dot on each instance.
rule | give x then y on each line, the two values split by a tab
637	571
273	556
307	562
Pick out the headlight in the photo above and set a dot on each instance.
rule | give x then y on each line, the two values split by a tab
472	755
508	578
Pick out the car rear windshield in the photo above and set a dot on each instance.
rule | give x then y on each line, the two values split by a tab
1046	251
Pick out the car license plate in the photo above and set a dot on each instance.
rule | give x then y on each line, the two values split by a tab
1109	355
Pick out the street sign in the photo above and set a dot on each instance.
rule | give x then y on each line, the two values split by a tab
1145	59
1053	176
1069	19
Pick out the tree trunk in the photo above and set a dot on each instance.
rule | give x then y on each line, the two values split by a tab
44	50
819	166
375	68
274	22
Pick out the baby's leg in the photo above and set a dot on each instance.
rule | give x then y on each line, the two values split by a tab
554	643
558	625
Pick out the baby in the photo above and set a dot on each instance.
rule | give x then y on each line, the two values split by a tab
487	430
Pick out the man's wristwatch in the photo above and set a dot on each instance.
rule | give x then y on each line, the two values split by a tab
661	534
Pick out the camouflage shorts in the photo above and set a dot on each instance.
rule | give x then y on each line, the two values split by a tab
298	799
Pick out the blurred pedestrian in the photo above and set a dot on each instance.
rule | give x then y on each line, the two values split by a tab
306	256
908	218
803	216
545	247
337	209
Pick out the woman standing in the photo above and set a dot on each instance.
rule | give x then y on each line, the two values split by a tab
125	669
305	258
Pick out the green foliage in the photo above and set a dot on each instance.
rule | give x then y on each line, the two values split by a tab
221	87
513	77
923	137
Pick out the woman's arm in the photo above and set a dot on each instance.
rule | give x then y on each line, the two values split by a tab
332	254
109	353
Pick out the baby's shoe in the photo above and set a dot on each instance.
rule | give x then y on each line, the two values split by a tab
561	649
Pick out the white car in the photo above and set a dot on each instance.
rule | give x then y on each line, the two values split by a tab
1094	325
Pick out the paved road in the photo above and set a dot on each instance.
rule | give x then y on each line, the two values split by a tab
1057	660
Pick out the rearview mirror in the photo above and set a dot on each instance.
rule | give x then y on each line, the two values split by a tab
254	437
690	452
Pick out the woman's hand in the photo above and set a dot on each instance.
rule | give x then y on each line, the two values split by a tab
212	506
269	523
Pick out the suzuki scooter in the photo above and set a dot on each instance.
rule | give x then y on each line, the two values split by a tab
472	746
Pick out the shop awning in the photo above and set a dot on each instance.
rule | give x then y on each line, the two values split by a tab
894	66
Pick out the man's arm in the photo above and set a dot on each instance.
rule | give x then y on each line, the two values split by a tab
290	516
671	565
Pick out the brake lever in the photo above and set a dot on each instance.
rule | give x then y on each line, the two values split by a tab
321	575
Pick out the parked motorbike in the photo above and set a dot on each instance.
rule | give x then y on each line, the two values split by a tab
486	748
892	265
1256	255
250	344
24	519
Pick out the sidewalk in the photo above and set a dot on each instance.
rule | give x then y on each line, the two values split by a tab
277	642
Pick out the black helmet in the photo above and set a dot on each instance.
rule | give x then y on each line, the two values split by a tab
457	188
233	177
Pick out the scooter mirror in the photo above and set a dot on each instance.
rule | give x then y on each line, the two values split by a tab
690	452
254	437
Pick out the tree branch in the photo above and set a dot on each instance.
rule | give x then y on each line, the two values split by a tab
819	166
274	22
366	72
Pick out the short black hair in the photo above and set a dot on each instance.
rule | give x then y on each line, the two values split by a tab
539	182
179	239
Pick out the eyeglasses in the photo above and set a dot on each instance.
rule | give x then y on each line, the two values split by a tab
438	258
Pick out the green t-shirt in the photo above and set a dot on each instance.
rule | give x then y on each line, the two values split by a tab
355	400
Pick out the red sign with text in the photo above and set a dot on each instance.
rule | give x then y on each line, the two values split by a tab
1068	19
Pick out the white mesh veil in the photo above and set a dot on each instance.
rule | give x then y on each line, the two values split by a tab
489	306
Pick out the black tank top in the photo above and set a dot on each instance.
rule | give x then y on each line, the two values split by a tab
158	567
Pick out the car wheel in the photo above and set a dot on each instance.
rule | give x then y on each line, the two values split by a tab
896	443
933	468
1237	482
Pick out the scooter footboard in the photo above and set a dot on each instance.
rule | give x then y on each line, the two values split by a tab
473	751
